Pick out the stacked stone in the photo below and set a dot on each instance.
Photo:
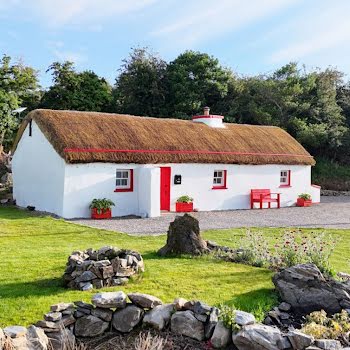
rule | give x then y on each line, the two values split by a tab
105	267
116	311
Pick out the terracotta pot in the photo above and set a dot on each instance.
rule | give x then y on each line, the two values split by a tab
301	202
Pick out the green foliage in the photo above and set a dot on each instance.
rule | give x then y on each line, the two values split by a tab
195	80
140	87
320	326
184	199
18	84
227	316
81	91
305	196
101	204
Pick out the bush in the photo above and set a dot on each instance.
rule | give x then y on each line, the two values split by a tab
101	204
322	327
305	196
184	199
227	316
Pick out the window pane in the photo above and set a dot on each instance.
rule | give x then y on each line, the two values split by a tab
219	173
125	174
215	174
117	182
119	174
219	181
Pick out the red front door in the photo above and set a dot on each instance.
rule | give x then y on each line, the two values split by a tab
165	175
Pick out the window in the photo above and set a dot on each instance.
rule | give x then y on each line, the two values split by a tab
285	178
219	179
124	180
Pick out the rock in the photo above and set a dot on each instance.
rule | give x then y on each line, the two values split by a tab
179	303
201	308
299	340
184	323
258	337
221	336
20	343
47	324
86	276
37	338
107	271
98	284
119	281
284	307
159	316
328	344
67	320
90	326
101	263
103	314
2	338
82	304
144	300
53	316
64	339
184	237
61	307
110	300
126	319
15	331
85	286
211	323
244	318
305	288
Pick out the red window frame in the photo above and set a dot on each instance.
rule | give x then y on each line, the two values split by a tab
131	182
224	185
288	183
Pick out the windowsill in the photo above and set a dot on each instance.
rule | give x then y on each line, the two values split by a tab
285	186
123	190
219	188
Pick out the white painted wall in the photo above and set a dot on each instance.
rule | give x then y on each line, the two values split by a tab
197	183
149	191
38	173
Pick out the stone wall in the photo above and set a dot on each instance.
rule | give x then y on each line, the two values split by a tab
123	313
105	267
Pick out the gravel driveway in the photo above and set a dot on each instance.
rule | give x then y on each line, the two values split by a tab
332	212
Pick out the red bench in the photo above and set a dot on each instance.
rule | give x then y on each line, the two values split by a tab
263	196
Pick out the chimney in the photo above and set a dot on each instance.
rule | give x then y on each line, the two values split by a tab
214	121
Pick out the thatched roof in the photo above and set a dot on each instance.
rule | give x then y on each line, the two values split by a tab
86	137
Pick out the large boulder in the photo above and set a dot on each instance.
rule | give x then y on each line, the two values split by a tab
126	319
305	288
159	316
110	300
221	336
259	337
185	323
184	237
90	326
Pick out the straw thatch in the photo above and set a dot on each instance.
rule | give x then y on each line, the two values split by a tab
86	137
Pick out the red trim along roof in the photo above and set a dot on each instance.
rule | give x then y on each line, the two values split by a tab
102	150
207	117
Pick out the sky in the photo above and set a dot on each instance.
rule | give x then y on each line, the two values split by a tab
249	36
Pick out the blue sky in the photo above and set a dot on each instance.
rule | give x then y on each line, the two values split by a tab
249	36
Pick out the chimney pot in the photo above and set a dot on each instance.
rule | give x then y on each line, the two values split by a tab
206	111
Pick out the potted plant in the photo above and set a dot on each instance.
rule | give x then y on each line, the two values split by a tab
184	204
304	200
101	208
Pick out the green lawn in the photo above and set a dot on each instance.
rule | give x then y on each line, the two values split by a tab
34	250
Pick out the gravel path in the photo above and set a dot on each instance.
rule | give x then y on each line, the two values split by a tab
332	212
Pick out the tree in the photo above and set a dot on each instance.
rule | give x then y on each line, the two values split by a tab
195	80
82	91
139	88
18	83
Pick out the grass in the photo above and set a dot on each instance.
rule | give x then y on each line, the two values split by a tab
34	250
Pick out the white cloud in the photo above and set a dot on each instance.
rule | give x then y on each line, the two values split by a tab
58	50
317	31
208	19
58	13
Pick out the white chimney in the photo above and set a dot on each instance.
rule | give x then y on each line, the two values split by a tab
214	121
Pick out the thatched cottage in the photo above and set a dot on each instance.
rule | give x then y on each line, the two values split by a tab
64	159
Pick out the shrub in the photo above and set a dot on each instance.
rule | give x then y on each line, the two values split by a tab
322	327
185	199
227	316
305	196
101	204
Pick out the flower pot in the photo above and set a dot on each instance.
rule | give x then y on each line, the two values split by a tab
103	214
184	207
301	202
